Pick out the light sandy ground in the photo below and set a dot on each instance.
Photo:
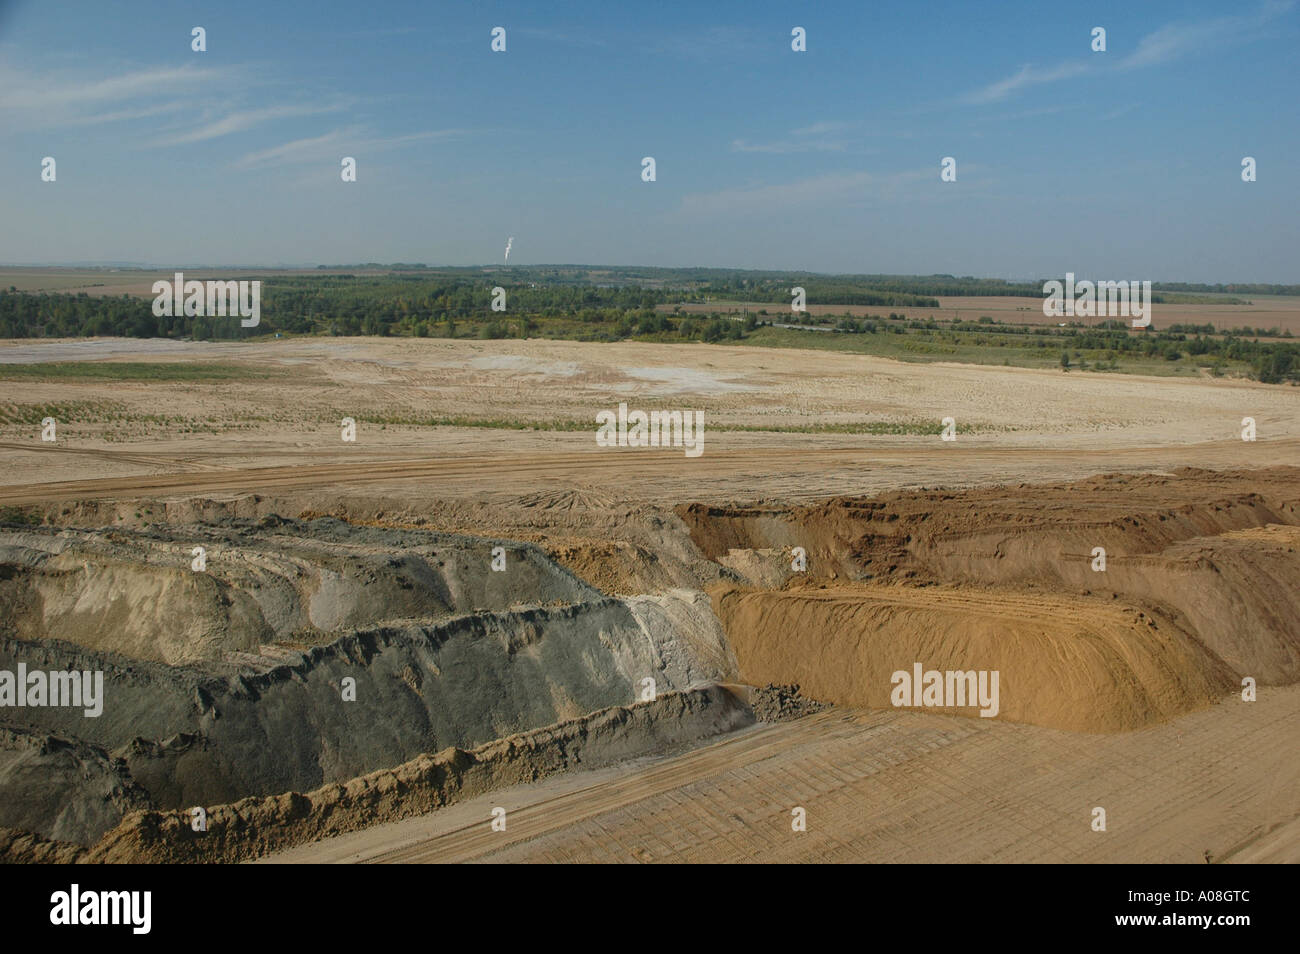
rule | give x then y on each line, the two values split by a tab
1013	424
881	786
897	787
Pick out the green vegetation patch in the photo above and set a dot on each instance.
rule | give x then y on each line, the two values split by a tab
131	371
20	516
64	412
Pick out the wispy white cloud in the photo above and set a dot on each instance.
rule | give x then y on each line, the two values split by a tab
245	119
787	146
1176	40
310	149
1170	42
1053	110
852	137
334	144
51	100
822	128
127	115
1026	76
816	137
41	93
199	105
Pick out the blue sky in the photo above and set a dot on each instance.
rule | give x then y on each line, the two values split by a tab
1123	164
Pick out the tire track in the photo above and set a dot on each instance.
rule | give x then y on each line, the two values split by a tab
883	787
543	817
510	471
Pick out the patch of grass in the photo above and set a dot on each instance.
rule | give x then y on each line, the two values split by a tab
506	424
1182	298
64	412
911	426
989	346
17	515
131	371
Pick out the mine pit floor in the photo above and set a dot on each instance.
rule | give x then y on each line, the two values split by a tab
882	786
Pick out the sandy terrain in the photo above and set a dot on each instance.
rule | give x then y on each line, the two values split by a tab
884	787
1013	424
973	554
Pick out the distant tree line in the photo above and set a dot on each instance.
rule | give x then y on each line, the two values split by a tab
818	291
380	306
440	306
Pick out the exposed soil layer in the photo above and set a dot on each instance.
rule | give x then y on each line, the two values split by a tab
1039	533
225	687
1200	588
497	653
898	787
781	703
255	826
1070	663
140	593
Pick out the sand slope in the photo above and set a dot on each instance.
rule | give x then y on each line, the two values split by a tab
1082	664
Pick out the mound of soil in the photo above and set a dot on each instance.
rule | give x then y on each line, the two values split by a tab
137	593
1081	664
1200	588
259	722
252	827
772	703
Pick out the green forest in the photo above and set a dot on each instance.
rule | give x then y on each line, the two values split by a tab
593	304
